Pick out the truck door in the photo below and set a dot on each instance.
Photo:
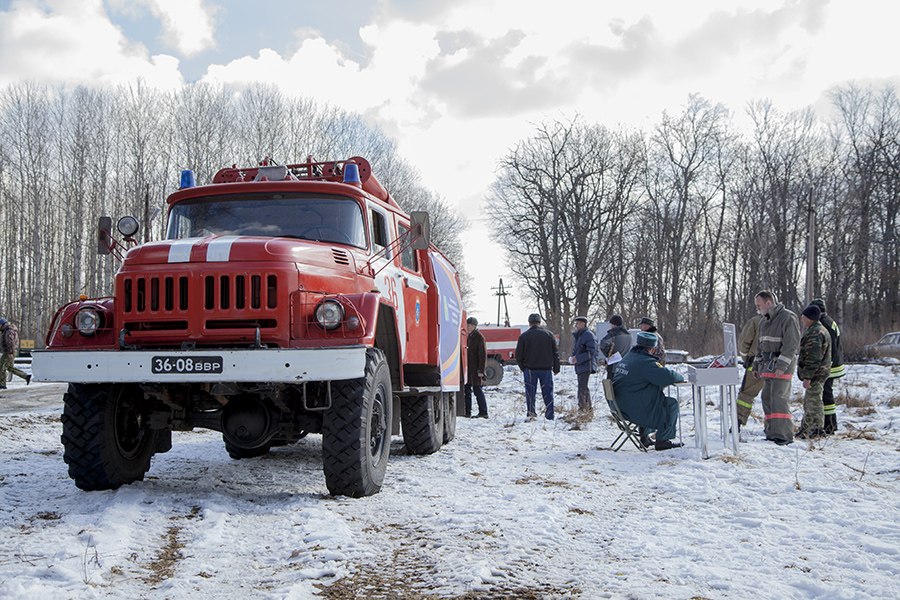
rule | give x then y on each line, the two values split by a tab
413	289
390	276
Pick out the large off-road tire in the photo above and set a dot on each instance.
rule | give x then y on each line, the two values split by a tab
422	423
237	453
356	434
450	399
106	435
493	372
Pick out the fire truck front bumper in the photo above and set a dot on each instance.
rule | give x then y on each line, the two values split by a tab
277	365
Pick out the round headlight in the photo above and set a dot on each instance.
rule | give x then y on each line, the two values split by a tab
127	226
87	321
329	314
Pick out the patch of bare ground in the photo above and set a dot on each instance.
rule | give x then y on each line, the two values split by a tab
162	567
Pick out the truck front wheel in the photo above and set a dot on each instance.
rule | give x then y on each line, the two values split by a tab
106	435
493	372
356	434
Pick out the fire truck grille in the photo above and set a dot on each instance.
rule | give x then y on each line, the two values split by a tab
145	294
225	292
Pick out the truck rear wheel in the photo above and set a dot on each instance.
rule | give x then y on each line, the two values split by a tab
356	435
493	372
450	416
106	435
237	453
422	422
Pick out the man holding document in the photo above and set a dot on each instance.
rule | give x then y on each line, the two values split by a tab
615	344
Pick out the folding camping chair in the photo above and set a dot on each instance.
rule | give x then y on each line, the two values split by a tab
627	429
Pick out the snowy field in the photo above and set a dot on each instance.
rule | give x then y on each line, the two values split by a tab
508	510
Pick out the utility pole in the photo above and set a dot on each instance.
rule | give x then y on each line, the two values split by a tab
811	254
501	294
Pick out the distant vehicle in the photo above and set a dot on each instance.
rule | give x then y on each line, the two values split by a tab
889	345
501	350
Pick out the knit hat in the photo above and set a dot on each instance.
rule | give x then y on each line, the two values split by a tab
582	319
646	321
812	312
534	318
820	303
616	320
3	321
647	339
471	321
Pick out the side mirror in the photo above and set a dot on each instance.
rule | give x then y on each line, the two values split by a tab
104	236
420	229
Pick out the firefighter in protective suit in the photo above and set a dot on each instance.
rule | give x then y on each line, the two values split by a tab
9	347
748	344
776	357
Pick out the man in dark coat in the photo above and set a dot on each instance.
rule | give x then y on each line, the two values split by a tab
538	357
584	352
615	344
837	367
638	383
476	354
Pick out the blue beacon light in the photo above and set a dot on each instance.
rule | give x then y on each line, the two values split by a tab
351	173
187	179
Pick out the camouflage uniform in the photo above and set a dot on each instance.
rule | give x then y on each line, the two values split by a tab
9	347
814	365
779	342
748	342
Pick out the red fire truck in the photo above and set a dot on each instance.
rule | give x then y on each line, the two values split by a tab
285	300
500	343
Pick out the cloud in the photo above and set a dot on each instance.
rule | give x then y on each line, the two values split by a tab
484	77
73	41
188	25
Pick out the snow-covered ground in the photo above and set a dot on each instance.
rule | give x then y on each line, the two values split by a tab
510	509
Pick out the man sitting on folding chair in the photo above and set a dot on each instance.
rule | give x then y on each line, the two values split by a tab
638	382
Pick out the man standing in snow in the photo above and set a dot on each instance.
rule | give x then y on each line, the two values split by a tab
837	367
617	341
9	347
776	355
813	367
638	383
748	342
538	357
584	351
476	355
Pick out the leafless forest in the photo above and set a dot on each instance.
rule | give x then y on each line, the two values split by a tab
686	222
68	156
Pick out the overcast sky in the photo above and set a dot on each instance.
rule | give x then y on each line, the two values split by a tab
458	83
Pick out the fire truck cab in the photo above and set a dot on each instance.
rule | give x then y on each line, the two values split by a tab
285	300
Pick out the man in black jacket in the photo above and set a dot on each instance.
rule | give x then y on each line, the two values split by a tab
538	356
475	359
837	367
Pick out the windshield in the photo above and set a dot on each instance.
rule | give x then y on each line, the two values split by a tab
306	216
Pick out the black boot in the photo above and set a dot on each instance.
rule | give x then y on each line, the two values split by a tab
667	444
830	424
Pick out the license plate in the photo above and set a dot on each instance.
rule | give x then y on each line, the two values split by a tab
186	364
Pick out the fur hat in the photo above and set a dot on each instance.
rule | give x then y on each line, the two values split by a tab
646	339
534	318
812	312
616	320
